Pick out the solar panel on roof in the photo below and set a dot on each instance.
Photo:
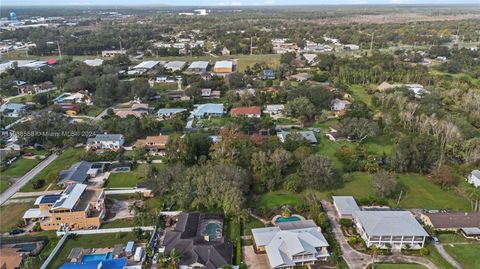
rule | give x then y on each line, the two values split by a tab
50	199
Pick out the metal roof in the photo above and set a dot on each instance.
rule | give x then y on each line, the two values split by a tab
389	223
95	62
146	65
198	64
70	196
108	137
170	111
175	65
345	205
203	109
223	64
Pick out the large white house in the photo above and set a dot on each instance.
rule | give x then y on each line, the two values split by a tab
291	244
396	228
345	206
474	178
106	141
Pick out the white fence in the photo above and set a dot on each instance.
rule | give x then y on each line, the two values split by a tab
108	231
55	250
126	191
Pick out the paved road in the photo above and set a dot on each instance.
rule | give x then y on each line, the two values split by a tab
20	182
358	260
447	257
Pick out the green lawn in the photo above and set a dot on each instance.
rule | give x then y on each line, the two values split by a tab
50	173
438	260
447	238
11	214
276	199
119	223
421	193
466	255
250	224
93	111
89	241
126	179
359	93
19	168
165	86
399	266
22	99
4	184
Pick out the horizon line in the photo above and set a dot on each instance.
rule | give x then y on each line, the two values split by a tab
232	6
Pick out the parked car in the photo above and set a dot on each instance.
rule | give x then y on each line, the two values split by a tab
155	258
16	231
436	241
28	154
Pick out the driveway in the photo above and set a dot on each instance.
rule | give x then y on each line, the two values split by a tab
358	260
20	182
441	250
254	261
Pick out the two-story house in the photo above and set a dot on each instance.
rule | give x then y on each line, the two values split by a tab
106	141
154	145
291	244
77	207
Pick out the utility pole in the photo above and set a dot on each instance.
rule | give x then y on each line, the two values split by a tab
59	50
251	45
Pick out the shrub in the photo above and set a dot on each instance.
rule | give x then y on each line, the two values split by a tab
346	223
424	251
37	184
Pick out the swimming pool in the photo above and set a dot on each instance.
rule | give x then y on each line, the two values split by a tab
289	219
212	230
97	257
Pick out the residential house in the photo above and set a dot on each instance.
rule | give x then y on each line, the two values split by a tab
351	47
37	88
112	53
13	110
77	173
106	141
291	244
165	79
209	94
177	95
339	105
474	178
94	63
223	67
81	97
154	145
395	228
268	74
68	108
175	65
198	237
146	65
77	207
274	110
310	58
249	112
385	86
451	221
307	135
345	206
335	133
207	110
11	258
198	67
225	51
137	110
168	112
301	77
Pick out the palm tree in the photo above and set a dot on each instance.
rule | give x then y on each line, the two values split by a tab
474	195
374	249
175	256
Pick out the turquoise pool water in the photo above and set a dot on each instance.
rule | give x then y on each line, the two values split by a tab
97	257
289	219
211	230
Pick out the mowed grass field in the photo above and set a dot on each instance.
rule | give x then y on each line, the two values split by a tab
50	173
89	241
465	254
419	192
11	214
19	168
128	179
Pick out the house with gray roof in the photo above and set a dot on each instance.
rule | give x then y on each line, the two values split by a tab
396	228
168	112
77	173
345	206
198	67
474	178
291	244
307	135
199	245
175	65
207	110
106	141
13	110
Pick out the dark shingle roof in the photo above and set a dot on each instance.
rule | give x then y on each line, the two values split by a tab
77	173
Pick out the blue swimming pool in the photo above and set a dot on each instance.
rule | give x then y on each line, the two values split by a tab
97	257
212	230
289	219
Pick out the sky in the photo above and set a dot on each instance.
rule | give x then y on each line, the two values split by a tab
227	2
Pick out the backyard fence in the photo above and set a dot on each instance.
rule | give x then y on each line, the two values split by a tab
107	231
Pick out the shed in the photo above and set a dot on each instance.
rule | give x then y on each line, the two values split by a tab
138	254
129	248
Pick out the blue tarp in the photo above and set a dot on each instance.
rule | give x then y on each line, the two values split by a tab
105	264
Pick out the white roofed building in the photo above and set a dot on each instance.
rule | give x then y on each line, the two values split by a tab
291	244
